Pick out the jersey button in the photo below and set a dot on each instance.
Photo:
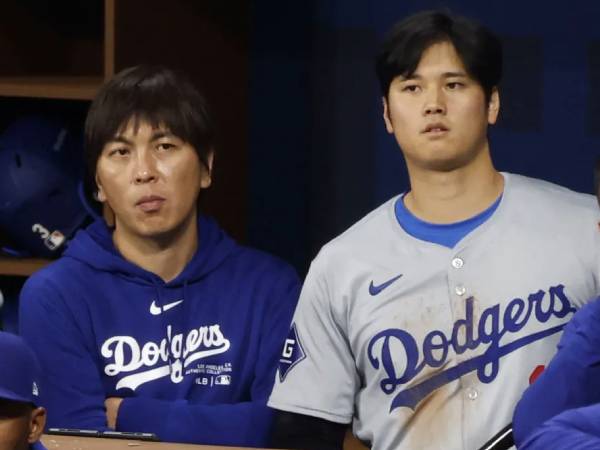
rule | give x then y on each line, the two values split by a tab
460	290
472	393
457	263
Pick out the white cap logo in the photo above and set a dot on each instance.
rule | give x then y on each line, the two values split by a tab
35	390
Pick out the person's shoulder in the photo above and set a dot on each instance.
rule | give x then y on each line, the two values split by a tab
56	272
37	446
578	427
585	323
60	276
546	191
370	230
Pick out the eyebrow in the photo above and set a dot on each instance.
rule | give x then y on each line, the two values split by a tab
161	134
415	76
120	139
155	137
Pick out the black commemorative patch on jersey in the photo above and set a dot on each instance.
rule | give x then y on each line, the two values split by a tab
292	353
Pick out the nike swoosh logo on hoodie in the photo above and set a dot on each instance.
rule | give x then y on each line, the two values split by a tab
156	310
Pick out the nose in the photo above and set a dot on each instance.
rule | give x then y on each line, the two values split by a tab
144	176
434	103
145	169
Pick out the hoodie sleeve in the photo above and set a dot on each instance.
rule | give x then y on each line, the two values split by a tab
575	429
239	424
572	379
71	389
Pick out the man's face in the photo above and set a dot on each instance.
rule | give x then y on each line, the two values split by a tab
20	425
151	179
439	114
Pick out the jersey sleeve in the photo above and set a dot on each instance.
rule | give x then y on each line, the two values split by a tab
575	429
316	374
71	388
572	378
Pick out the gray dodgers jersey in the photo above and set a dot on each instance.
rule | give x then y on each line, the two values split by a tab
426	347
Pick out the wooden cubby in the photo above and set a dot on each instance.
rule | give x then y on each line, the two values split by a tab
64	51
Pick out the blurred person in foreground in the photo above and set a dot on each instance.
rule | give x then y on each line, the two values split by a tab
22	420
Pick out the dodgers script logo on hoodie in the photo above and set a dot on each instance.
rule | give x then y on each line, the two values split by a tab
170	356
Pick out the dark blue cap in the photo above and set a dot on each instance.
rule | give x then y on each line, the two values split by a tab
19	370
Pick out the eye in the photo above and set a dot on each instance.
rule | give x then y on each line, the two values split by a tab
120	151
165	146
411	88
454	85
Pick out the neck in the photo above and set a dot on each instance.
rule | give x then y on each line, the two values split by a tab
166	255
455	195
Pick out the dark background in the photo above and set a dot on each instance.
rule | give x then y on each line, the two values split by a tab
303	152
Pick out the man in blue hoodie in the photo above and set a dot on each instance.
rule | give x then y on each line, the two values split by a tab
159	322
21	420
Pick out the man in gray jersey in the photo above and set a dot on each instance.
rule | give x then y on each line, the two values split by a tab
423	322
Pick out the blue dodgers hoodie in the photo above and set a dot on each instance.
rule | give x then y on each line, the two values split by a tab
573	429
194	358
570	382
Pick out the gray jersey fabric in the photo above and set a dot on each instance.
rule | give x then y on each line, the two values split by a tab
426	347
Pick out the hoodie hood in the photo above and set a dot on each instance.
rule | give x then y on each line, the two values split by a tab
94	246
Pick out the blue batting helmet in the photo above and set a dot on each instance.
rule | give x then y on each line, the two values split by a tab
40	173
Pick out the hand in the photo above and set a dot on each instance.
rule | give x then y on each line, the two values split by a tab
112	410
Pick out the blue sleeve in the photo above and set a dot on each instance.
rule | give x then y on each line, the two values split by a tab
239	424
574	429
571	380
37	446
71	389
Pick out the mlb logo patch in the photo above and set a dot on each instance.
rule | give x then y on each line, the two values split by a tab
292	353
224	380
55	240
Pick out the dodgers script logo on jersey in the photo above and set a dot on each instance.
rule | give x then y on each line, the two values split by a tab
433	352
170	356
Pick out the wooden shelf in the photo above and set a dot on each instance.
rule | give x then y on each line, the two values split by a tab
68	88
21	266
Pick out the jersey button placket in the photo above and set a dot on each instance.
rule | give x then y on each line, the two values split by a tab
472	393
458	263
460	290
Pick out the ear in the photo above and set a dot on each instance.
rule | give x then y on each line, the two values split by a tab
386	116
100	195
36	424
493	106
206	180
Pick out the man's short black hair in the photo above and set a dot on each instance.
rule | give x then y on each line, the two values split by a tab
479	49
154	94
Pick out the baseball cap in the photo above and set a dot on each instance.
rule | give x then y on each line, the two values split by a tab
19	370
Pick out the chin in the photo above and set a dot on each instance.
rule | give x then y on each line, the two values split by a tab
448	162
154	228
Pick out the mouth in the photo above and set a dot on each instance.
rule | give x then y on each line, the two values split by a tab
150	203
435	129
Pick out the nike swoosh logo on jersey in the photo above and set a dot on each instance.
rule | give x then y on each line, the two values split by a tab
156	310
374	290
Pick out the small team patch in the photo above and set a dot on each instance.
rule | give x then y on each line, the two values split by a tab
292	353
